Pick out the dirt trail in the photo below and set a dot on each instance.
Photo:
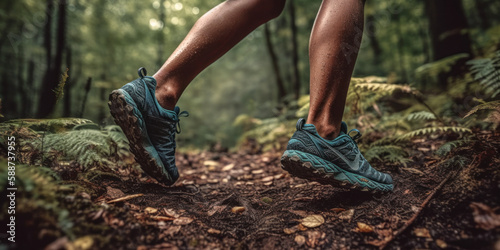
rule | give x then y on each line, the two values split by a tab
242	200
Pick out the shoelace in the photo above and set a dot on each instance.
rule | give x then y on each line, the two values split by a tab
142	72
178	122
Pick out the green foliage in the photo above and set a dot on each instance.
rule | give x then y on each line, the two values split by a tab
493	105
88	147
48	125
449	146
431	72
37	199
432	130
387	153
487	72
422	115
59	90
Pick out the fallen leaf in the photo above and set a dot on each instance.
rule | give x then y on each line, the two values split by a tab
210	163
170	212
150	210
301	227
213	231
422	232
484	216
258	171
290	230
441	243
347	215
182	221
83	243
300	240
128	197
238	210
267	179
413	171
364	228
172	230
338	210
162	218
216	209
228	167
312	238
312	221
114	193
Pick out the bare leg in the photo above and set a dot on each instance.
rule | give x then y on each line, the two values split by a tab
333	49
213	35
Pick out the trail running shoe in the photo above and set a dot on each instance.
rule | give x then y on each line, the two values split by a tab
336	162
149	127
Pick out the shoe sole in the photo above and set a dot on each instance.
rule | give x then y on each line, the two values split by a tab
124	116
311	167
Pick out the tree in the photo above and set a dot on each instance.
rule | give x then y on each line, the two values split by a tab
48	97
448	25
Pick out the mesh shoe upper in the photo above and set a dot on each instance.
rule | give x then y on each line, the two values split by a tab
342	151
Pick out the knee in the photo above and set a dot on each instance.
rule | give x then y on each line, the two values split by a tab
268	9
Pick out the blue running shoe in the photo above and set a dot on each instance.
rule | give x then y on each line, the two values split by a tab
335	162
149	127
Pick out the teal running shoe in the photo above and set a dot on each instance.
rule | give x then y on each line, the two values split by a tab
149	127
335	162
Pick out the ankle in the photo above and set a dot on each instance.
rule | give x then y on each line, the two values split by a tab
327	131
166	98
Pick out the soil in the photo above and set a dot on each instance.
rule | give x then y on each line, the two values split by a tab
245	200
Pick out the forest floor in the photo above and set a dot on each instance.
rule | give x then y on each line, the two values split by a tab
245	200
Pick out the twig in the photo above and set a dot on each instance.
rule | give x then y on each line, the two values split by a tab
128	197
384	243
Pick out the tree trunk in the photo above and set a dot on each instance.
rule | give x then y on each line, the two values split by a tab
48	98
161	36
275	64
68	86
375	45
447	23
295	54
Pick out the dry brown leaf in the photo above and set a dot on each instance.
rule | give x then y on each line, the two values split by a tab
347	215
238	210
210	163
162	218
364	228
150	210
128	197
182	221
484	216
258	171
313	221
312	238
441	243
228	167
114	193
338	210
216	209
422	232
172	230
213	231
300	240
291	230
267	179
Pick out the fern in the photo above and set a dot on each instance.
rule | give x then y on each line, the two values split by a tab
431	72
431	130
487	72
59	90
447	147
422	115
494	105
387	153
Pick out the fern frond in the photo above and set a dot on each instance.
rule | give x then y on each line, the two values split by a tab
447	147
59	90
422	115
431	130
487	72
494	105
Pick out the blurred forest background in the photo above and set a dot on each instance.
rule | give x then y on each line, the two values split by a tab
443	49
